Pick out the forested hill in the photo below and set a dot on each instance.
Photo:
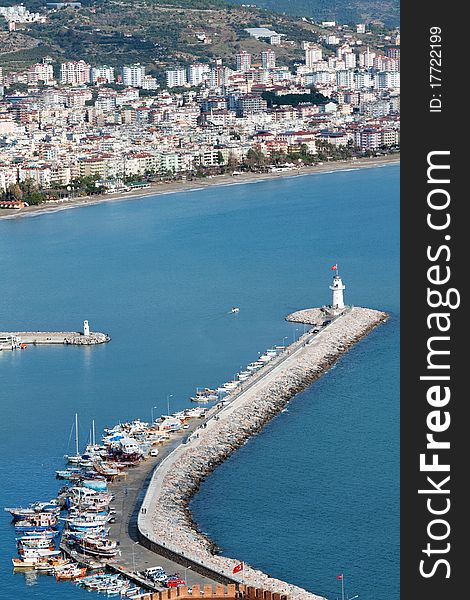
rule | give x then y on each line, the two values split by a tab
156	33
342	11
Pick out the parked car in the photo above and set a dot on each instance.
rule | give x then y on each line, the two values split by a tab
154	572
173	582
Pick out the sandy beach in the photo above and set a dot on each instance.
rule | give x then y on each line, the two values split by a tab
198	184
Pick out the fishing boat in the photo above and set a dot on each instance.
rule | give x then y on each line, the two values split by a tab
243	376
231	385
94	582
51	564
96	546
33	556
34	542
33	509
132	592
37	522
87	521
235	309
97	483
198	398
72	473
70	572
107	471
50	533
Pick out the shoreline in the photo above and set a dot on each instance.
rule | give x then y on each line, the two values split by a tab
168	498
158	189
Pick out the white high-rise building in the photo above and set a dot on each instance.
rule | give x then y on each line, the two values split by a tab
350	60
366	58
243	61
176	77
313	54
345	79
387	80
149	83
197	73
268	59
132	75
363	80
102	74
75	72
41	72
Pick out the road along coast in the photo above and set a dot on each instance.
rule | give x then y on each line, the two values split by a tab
165	523
187	185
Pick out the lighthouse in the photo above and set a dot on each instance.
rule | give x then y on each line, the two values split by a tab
86	328
337	287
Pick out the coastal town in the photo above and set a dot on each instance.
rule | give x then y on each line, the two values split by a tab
74	129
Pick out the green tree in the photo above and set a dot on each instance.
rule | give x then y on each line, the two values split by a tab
15	192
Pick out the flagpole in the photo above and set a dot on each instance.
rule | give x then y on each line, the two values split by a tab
342	586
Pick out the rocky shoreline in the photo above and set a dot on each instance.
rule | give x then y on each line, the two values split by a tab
165	518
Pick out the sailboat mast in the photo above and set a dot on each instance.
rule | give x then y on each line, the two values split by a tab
93	432
76	434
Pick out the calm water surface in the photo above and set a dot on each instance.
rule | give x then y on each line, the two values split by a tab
316	492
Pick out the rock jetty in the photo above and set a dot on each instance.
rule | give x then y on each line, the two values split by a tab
57	337
165	520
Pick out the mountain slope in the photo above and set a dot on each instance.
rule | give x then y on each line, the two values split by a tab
343	11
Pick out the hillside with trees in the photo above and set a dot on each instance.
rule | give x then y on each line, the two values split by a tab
156	33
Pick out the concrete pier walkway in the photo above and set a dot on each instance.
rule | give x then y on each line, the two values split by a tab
129	492
165	522
55	337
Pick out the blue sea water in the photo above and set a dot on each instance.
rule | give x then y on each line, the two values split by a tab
316	492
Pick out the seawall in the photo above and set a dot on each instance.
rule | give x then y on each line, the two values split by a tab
57	337
165	523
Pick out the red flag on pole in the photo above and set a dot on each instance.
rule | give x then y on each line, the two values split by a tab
238	568
339	576
334	267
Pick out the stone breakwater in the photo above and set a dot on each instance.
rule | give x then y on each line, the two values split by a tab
58	337
165	520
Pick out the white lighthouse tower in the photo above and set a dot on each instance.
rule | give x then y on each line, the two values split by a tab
337	287
86	328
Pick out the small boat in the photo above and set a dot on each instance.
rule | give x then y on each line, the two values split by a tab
51	564
97	484
73	473
37	522
49	533
87	522
32	557
70	572
37	543
235	309
34	509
